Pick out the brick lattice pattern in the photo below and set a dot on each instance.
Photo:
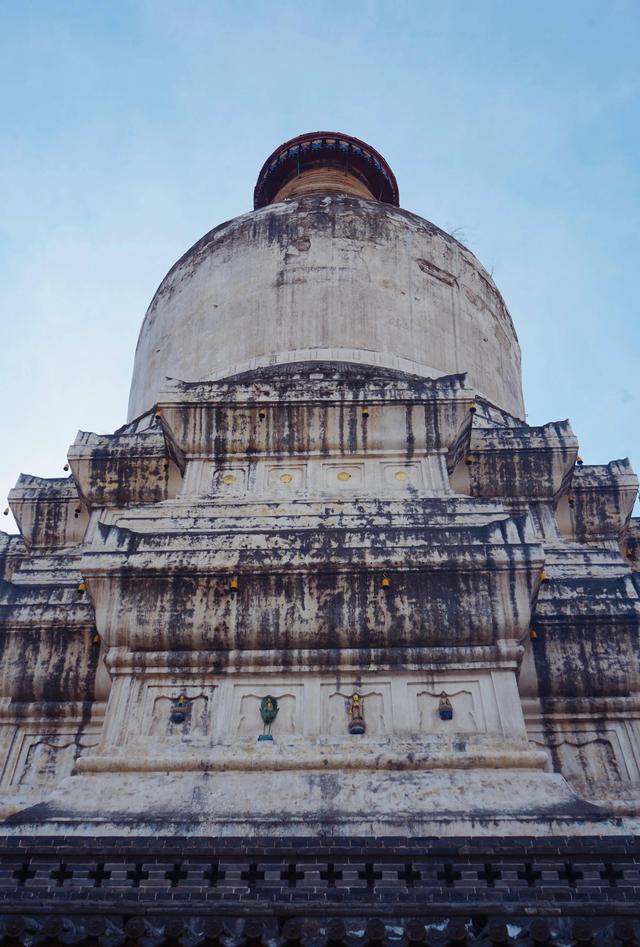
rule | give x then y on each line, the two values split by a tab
320	891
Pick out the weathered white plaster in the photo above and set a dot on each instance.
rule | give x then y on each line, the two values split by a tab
348	277
305	513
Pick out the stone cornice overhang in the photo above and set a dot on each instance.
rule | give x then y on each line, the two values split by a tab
521	462
602	500
13	552
48	643
592	617
270	411
32	607
588	599
122	468
472	585
33	487
163	553
50	568
403	756
508	542
571	560
64	710
505	654
194	517
366	557
49	511
325	381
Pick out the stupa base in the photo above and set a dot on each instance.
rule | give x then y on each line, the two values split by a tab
312	803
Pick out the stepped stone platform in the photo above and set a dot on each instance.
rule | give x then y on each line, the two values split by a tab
326	644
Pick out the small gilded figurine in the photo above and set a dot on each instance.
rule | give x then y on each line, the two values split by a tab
268	712
356	714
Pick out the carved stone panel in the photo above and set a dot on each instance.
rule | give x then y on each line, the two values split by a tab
180	715
43	759
246	722
376	703
466	701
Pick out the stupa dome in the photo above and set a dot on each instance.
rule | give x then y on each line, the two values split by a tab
327	267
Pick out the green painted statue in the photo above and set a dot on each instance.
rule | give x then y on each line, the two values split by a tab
268	712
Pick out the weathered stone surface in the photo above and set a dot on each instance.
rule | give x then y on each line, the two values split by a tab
599	503
631	544
327	409
12	553
331	277
298	587
48	647
49	513
520	462
329	581
246	583
359	801
130	466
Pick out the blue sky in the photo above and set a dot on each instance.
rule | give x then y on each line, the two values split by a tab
130	128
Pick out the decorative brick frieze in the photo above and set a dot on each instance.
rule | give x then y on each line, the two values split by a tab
388	876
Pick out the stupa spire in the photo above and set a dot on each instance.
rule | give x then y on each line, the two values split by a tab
325	161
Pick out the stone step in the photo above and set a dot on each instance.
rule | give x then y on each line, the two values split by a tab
418	545
570	560
218	514
35	602
62	569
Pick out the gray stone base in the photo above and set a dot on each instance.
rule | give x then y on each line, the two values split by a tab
254	802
